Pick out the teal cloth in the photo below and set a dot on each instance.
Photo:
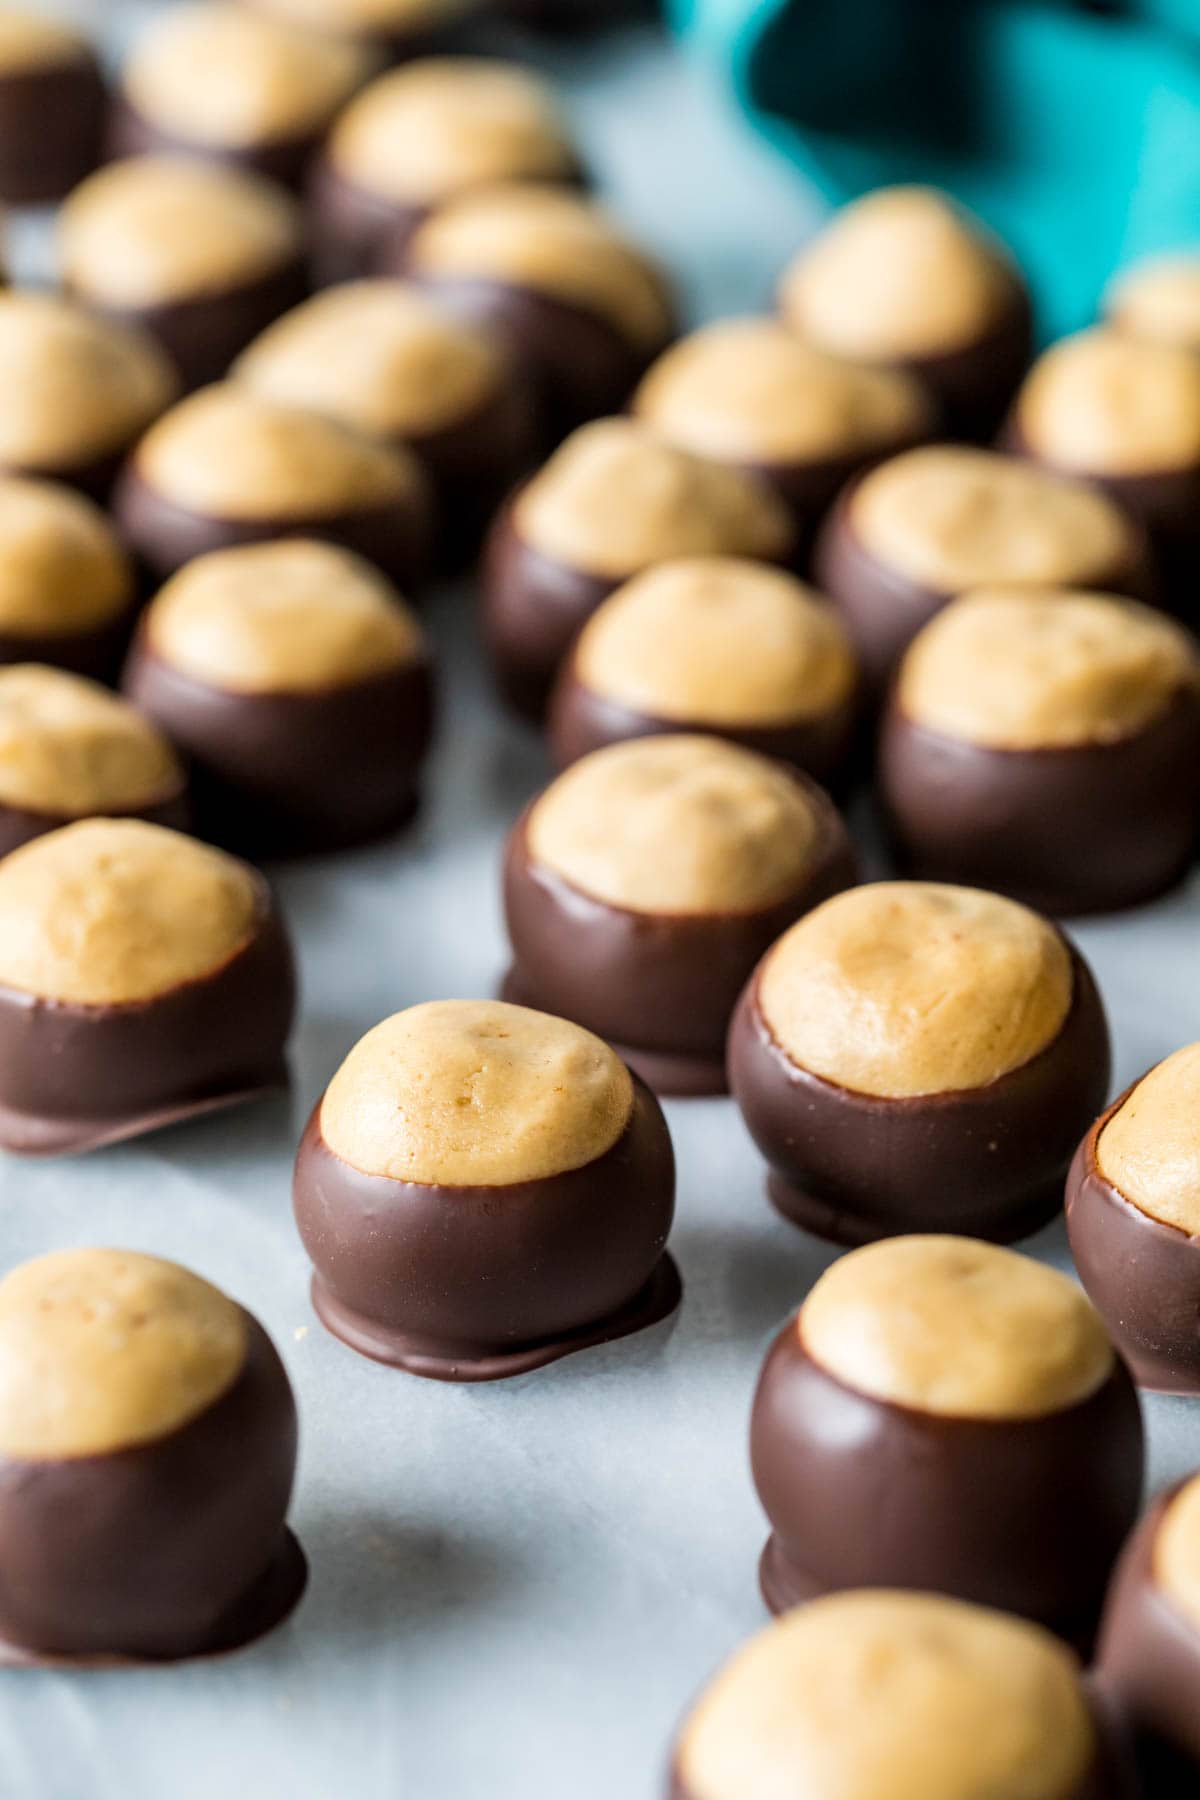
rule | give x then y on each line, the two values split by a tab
1074	132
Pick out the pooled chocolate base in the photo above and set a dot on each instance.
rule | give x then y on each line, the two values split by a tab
841	1225
1142	1275
75	1077
264	1607
476	1363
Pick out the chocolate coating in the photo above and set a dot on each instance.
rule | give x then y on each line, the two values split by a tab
51	124
884	608
286	773
1070	830
986	1161
1164	503
1142	1274
975	384
202	336
169	1549
1040	1542
478	1283
661	986
533	605
581	720
580	366
1148	1661
75	1077
166	535
97	652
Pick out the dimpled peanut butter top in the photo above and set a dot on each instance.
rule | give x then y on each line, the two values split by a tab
377	355
101	1350
959	1328
907	987
1176	1556
32	39
61	566
1150	1148
879	1695
368	15
900	273
436	127
953	518
156	229
676	825
219	75
68	746
290	617
1113	405
475	1093
1159	300
233	454
749	389
616	498
111	911
75	387
553	243
1037	668
718	641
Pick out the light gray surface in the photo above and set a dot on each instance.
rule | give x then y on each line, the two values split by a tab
515	1588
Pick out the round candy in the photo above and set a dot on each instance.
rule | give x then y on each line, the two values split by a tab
916	1057
147	1452
483	1189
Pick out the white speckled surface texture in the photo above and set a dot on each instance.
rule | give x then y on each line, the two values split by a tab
516	1588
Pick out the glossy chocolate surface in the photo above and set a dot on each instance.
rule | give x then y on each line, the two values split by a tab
1148	1661
1142	1275
74	1077
1072	829
662	986
203	335
477	1283
883	609
51	123
987	1162
1022	1514
164	535
580	720
286	773
473	463
169	1549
